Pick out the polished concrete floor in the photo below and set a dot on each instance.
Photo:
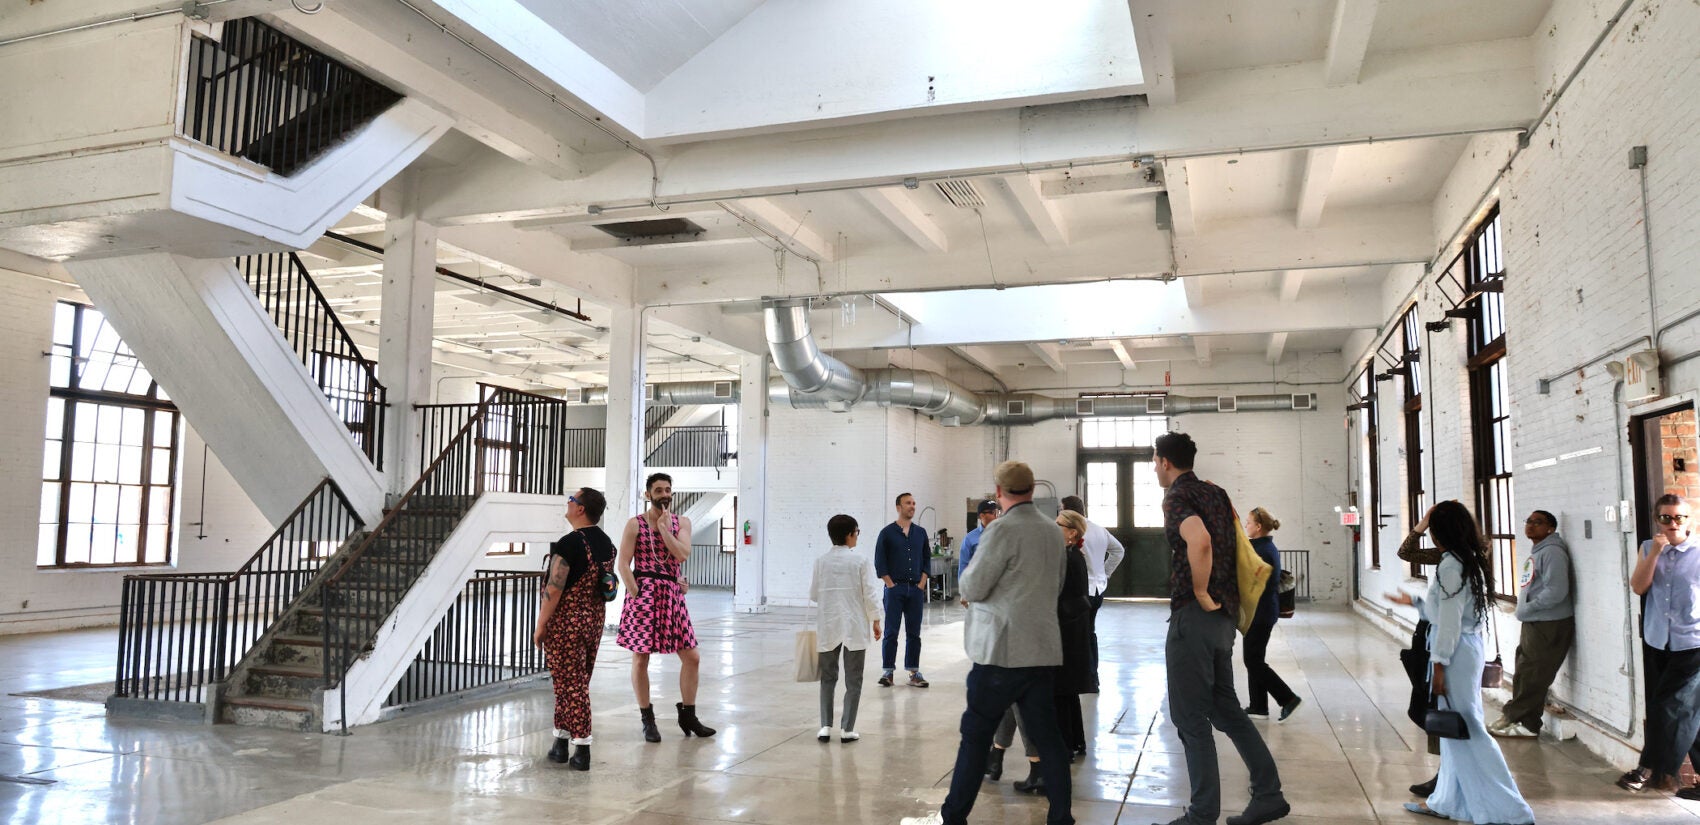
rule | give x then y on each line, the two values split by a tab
1346	757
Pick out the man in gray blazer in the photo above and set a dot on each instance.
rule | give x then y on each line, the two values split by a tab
1013	638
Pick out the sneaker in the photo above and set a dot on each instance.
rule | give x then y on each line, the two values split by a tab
1636	780
934	818
885	679
848	736
1287	710
915	680
824	734
1513	730
1257	714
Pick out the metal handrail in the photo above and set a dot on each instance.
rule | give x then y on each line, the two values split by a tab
483	639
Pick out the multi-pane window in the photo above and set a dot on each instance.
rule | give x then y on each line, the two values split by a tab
1416	477
1103	505
1490	406
1111	433
1369	468
1147	496
1118	470
109	468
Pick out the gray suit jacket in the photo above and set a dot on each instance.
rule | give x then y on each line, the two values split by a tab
1012	587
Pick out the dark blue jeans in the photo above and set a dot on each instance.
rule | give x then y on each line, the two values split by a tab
903	605
991	690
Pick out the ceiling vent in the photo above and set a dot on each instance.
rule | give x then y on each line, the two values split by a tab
574	395
649	393
1227	403
1155	405
960	192
1014	408
1082	406
723	390
655	230
1303	401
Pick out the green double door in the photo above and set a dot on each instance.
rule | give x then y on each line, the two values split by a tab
1122	494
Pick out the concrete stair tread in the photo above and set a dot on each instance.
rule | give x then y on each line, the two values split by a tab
286	670
270	703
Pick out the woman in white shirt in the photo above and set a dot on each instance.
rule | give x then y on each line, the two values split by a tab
1474	784
843	586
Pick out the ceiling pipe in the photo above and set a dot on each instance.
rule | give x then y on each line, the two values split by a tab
675	394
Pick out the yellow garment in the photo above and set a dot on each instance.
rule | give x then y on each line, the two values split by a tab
1253	573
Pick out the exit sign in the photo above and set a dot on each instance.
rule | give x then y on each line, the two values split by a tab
1348	519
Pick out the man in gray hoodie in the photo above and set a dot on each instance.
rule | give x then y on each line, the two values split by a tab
1547	609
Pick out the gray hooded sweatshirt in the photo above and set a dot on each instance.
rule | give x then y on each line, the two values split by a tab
1545	583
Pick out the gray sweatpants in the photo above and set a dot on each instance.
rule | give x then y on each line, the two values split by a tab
853	660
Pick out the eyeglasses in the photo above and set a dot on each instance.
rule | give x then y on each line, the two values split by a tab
1540	521
1672	518
572	500
856	532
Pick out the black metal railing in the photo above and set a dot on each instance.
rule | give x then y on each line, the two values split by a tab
710	566
523	436
349	381
503	447
586	447
689	447
1298	561
438	425
261	95
483	640
178	632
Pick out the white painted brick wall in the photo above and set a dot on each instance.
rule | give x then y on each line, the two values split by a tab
33	599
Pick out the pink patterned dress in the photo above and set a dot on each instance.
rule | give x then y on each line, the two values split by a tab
654	618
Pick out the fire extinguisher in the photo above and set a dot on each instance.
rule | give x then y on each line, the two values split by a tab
749	532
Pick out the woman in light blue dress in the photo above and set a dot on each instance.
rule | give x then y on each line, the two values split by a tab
1474	783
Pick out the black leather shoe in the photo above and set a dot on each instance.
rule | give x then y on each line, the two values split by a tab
580	760
561	750
994	765
1034	783
1425	789
1261	811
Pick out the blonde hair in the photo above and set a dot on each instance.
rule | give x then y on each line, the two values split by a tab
1269	523
1074	521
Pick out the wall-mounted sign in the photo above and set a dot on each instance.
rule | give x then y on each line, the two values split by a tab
1348	519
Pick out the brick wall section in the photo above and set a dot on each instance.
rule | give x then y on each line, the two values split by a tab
1677	441
1576	288
33	599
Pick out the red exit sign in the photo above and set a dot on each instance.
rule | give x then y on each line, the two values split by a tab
1348	519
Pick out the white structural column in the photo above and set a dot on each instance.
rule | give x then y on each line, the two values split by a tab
624	455
749	594
406	317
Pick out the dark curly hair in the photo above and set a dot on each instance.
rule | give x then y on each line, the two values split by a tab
1454	531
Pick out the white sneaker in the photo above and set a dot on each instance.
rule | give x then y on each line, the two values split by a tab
934	818
824	734
848	736
1512	730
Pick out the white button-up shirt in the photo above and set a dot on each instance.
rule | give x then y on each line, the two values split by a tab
1103	554
844	587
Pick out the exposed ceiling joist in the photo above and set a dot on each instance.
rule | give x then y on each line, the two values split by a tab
790	229
1313	190
1046	219
1348	40
1288	284
1194	289
1180	198
1049	353
979	357
1138	180
899	207
1156	58
1201	349
1277	346
1122	355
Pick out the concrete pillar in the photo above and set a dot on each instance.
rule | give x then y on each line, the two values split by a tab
404	349
750	594
624	457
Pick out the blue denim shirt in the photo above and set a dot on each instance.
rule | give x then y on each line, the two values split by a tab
1671	620
970	543
903	558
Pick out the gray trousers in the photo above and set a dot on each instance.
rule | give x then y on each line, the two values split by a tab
1200	660
1006	732
853	660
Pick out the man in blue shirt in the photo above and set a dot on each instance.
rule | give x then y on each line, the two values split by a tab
902	557
989	510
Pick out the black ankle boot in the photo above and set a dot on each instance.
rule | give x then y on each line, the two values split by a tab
1425	789
994	765
1034	783
580	760
650	732
688	721
559	752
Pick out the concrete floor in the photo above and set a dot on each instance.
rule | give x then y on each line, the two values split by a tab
1346	757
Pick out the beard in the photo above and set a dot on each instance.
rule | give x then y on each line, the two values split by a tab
662	503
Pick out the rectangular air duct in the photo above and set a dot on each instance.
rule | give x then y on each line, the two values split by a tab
1015	408
1082	406
1303	401
1155	405
1227	403
723	389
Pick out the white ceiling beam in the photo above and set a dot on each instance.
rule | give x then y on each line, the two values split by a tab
1046	219
792	230
1455	88
1122	355
1049	353
1201	349
1277	346
1073	183
978	357
899	207
1193	288
1180	198
1313	190
1288	284
1348	40
595	278
1156	58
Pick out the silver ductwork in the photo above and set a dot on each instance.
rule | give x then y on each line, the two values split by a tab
675	394
813	380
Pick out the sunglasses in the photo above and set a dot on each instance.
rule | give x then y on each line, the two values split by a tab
1672	518
573	500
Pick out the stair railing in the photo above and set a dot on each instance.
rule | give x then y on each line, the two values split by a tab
484	639
510	444
179	632
349	381
261	95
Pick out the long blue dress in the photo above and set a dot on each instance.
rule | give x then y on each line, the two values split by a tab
1474	785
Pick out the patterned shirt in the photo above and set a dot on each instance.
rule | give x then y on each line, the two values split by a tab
1187	497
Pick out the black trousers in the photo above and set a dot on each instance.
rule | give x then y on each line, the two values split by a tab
1673	709
1262	681
991	691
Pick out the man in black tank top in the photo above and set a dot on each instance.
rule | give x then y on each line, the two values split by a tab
570	621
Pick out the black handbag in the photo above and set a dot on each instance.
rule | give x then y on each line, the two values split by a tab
1447	724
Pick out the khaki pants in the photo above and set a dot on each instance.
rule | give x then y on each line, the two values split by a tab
1539	655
